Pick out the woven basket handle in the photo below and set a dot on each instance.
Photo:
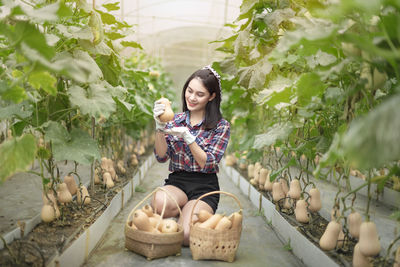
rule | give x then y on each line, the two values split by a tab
213	193
149	195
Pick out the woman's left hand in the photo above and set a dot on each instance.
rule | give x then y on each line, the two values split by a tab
182	132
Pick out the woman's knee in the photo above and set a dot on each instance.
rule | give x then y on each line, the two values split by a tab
171	209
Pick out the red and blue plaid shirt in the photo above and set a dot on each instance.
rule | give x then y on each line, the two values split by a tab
213	142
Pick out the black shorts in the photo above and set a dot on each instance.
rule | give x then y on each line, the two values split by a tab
195	184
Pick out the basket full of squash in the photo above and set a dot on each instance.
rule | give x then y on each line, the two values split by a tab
215	236
147	234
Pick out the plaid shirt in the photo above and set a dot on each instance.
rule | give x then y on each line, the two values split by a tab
213	142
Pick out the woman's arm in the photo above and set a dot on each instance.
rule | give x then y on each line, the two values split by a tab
161	146
198	153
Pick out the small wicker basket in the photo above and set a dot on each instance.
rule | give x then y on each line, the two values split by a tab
153	245
211	244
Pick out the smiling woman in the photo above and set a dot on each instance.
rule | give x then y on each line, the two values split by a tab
195	142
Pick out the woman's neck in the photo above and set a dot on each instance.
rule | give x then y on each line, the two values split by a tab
196	117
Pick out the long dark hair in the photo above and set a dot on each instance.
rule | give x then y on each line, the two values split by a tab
213	113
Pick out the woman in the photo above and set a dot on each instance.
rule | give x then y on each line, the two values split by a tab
195	142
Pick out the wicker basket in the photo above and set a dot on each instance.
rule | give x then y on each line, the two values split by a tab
153	245
211	244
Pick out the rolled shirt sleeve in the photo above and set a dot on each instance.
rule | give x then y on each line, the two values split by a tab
217	147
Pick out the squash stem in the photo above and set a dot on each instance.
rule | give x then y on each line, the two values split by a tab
369	196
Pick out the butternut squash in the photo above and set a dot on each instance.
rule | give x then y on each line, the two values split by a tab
315	200
277	192
330	237
369	241
263	177
96	177
148	210
47	213
141	221
268	183
301	212
203	215
359	260
168	114
211	222
237	218
84	197
223	224
284	185
169	226
354	220
63	194
230	160
107	180
397	258
288	202
295	189
71	184
250	171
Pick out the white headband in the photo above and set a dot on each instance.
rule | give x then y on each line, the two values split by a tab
208	67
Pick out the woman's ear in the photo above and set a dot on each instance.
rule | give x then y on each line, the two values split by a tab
212	97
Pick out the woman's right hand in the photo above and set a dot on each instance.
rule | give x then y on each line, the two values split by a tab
158	109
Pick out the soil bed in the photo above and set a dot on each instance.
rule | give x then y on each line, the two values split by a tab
315	229
41	244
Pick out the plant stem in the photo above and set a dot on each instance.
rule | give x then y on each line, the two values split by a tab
369	196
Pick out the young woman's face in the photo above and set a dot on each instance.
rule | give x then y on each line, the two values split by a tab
197	96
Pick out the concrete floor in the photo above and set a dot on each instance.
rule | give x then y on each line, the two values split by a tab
259	245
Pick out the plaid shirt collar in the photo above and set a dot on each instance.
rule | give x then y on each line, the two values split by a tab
186	118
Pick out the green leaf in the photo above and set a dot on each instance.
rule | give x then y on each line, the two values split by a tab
371	141
16	155
77	146
16	94
321	58
143	104
28	34
95	101
131	44
277	91
308	86
15	110
115	35
278	131
56	133
81	33
111	6
100	49
254	75
275	18
309	29
43	80
107	18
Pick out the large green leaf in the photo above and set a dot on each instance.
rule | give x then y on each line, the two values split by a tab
275	18
16	94
278	131
78	146
310	29
254	76
18	110
28	34
83	33
43	80
94	101
273	93
308	86
373	140
16	155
